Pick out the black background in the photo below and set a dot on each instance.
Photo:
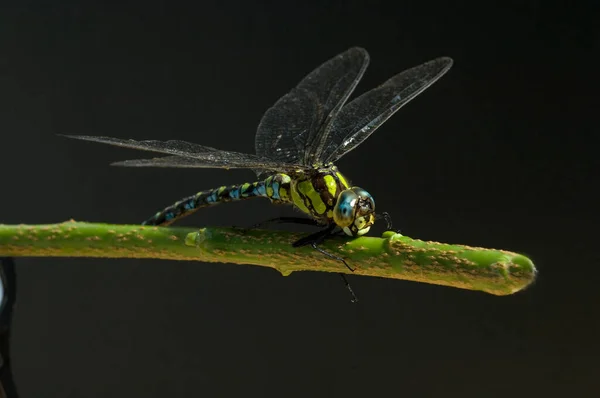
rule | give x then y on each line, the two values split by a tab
498	153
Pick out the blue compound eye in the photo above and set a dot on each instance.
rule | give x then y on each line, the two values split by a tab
365	197
345	208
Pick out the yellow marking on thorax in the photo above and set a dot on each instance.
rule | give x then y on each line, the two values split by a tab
306	188
299	202
331	185
342	180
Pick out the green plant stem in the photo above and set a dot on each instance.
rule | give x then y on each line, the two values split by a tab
395	256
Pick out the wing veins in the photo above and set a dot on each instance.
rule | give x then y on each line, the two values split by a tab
186	154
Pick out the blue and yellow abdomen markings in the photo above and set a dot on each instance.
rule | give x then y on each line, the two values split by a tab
313	193
209	197
278	188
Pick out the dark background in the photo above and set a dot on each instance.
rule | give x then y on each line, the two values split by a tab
497	154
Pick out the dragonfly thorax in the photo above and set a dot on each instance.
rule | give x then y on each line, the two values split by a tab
325	194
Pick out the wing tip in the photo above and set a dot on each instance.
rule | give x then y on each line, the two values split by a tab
128	163
79	137
357	49
448	59
445	60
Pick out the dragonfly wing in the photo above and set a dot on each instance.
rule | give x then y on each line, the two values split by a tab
363	115
172	147
186	154
294	129
220	159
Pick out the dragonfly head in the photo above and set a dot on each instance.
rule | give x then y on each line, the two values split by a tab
354	211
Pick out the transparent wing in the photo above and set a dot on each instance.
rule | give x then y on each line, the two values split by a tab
187	154
295	128
363	115
221	159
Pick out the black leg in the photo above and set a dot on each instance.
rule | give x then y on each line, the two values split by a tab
354	299
289	220
314	240
333	256
317	238
280	220
388	220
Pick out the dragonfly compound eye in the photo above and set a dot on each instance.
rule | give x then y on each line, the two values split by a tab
354	211
345	209
365	212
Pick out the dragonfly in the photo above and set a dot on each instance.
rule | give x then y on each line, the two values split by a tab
297	143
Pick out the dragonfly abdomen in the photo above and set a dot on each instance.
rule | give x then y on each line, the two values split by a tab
275	187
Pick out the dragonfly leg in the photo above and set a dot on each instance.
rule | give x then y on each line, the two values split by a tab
281	220
315	246
354	299
316	239
289	220
388	220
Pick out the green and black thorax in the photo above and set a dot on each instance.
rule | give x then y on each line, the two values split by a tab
314	192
